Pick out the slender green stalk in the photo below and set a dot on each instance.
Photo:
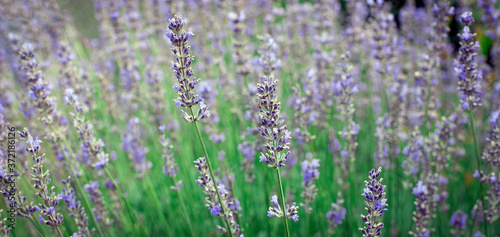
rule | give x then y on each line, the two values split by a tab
158	208
230	185
282	198
478	161
37	227
59	231
186	216
211	172
128	207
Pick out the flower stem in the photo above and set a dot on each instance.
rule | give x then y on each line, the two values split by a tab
478	161
129	208
186	216
282	198
158	208
59	231
37	227
211	172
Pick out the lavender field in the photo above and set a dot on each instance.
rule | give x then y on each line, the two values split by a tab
249	118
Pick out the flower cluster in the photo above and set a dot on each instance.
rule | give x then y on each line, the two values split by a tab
276	136
248	150
75	209
469	75
229	203
375	204
458	221
99	210
291	211
414	154
92	148
440	24
136	151
336	215
237	19
422	216
491	176
310	173
170	167
382	134
187	97
268	60
41	183
39	90
490	16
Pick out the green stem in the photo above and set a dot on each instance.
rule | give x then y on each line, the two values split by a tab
59	231
37	227
478	161
211	173
186	216
158	208
282	198
128	207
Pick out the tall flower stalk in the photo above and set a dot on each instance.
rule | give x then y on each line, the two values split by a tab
276	139
469	84
187	97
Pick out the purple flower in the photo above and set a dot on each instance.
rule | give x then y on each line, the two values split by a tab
229	205
133	145
469	77
458	221
375	202
215	211
310	173
41	183
99	210
187	97
272	129
336	215
276	211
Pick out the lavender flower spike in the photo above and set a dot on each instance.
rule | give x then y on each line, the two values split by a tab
229	203
170	167
375	202
336	215
41	183
277	137
311	174
469	77
75	209
458	221
275	210
187	97
491	175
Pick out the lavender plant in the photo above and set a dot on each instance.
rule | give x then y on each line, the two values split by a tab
187	97
469	80
375	204
458	221
491	176
311	174
41	181
75	209
336	215
276	136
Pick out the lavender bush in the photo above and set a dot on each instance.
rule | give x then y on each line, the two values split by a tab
102	88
